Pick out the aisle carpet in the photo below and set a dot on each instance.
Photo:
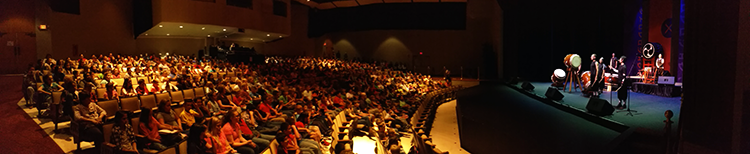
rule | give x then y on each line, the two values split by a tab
18	132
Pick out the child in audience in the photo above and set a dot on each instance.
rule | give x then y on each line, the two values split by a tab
111	92
123	139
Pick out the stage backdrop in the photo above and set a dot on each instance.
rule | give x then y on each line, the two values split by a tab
660	28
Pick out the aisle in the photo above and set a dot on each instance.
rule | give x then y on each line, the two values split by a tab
445	129
20	133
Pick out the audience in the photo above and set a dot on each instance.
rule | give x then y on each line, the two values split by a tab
243	110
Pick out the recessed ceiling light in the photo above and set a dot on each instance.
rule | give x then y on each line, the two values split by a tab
280	36
160	25
146	34
209	35
225	29
204	28
180	26
251	38
308	0
167	34
268	34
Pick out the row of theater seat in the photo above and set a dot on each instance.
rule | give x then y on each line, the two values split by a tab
424	117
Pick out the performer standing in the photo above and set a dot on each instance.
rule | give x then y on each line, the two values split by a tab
659	67
622	92
613	64
602	69
594	69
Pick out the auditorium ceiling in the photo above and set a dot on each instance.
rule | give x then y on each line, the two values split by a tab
330	4
189	30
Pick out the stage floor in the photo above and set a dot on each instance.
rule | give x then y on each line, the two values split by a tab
650	108
498	119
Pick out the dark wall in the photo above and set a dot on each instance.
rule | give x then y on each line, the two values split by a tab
713	96
540	33
389	16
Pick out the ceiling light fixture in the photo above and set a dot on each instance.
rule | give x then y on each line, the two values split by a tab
204	28
167	34
180	26
268	34
160	26
225	29
280	36
209	35
146	34
251	39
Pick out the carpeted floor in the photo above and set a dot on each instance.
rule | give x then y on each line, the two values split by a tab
18	132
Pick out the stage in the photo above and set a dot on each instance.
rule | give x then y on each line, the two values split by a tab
650	108
498	119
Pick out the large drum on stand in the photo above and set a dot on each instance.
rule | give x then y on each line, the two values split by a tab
586	79
572	61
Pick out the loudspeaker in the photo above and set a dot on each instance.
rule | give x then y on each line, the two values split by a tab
554	94
599	107
527	86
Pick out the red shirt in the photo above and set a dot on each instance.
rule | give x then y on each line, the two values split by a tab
150	131
243	127
265	108
228	129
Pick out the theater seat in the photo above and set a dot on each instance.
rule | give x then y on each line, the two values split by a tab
148	101
100	93
162	96
188	94
131	104
199	92
55	107
110	106
177	98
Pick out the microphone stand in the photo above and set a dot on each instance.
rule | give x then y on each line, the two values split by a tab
630	112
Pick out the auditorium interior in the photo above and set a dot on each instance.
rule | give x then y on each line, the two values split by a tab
374	76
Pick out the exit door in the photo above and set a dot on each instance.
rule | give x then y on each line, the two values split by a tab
17	51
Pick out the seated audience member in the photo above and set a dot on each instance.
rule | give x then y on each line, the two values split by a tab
196	142
216	140
111	93
157	87
233	133
89	117
142	88
201	107
69	97
123	139
106	80
127	89
166	115
189	114
149	127
215	106
45	94
287	141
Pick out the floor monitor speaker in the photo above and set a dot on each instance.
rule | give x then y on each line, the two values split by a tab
527	86
554	94
599	107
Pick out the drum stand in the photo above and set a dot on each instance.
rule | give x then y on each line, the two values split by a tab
572	80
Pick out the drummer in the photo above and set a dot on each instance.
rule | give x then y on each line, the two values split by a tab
622	92
613	64
594	76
